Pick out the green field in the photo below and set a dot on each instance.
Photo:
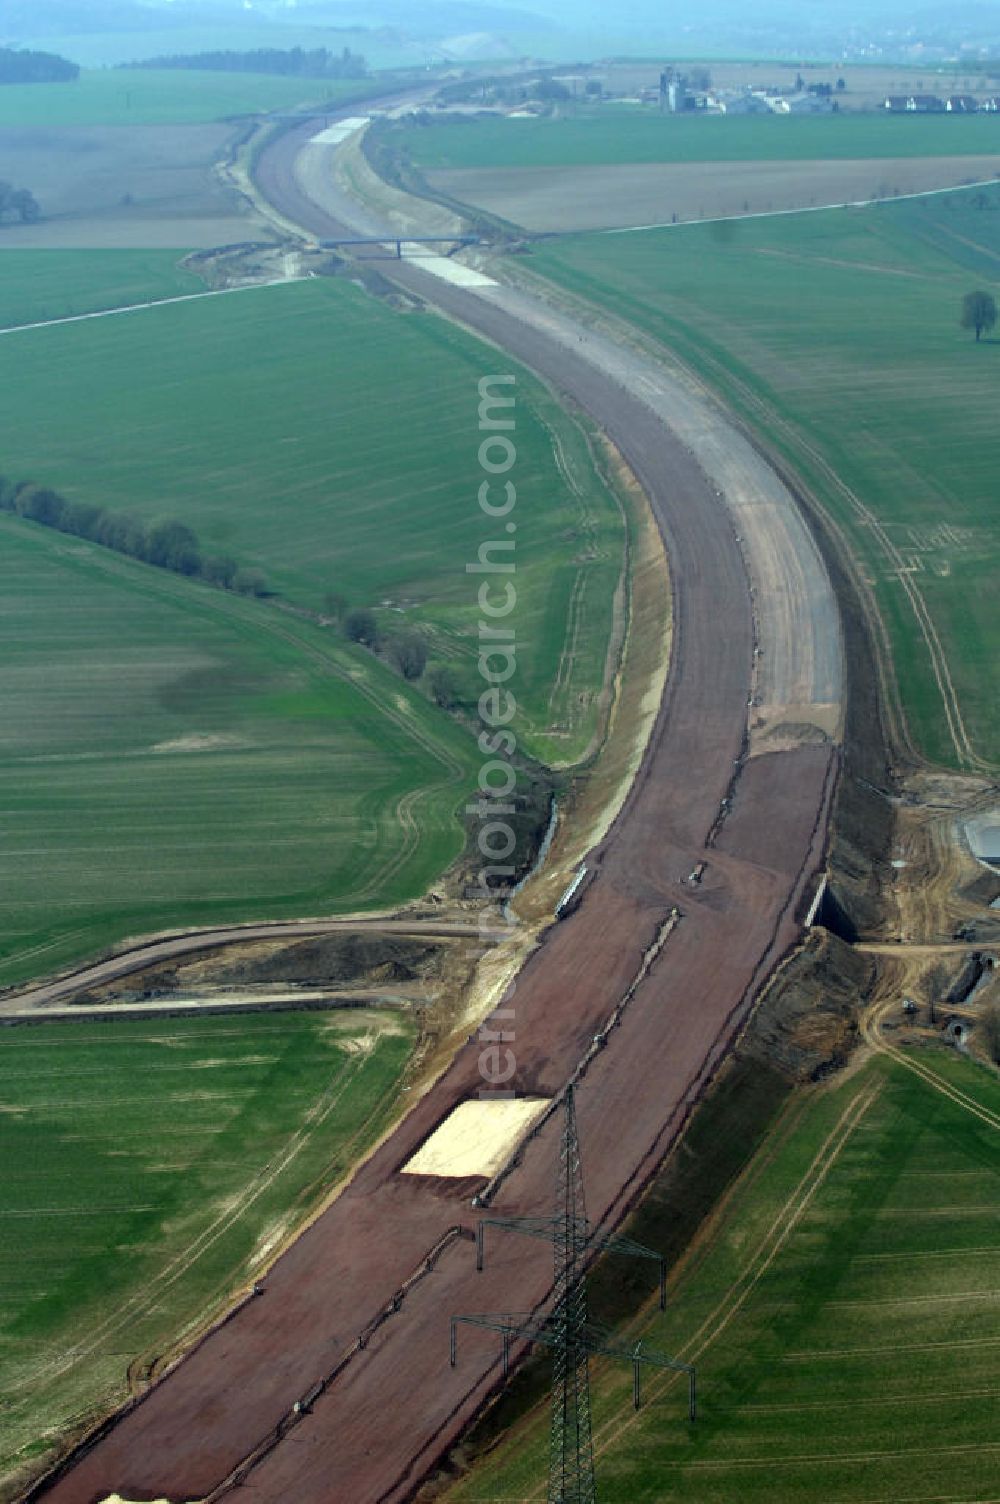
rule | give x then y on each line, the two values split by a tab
39	285
147	1169
842	1314
172	754
169	96
605	136
313	431
835	335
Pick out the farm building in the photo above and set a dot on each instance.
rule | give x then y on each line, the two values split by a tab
914	104
731	103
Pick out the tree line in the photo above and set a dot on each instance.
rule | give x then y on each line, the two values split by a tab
294	62
167	544
405	650
26	67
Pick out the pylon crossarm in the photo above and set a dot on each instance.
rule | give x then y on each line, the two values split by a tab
531	1227
546	1228
601	1341
546	1331
640	1354
633	1250
611	1243
508	1321
543	1227
553	1229
661	1360
596	1340
512	1327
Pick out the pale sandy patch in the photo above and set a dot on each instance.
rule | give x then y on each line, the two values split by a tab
477	1138
334	134
118	1499
444	267
778	728
201	741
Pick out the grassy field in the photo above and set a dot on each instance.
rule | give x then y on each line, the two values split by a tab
263	421
39	285
836	336
141	96
610	135
172	754
842	1315
148	1168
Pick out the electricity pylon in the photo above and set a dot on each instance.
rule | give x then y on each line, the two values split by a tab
571	1451
567	1329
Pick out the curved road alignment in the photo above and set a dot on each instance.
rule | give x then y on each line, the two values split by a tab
799	669
374	1433
191	942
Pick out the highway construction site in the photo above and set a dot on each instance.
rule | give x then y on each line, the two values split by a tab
778	858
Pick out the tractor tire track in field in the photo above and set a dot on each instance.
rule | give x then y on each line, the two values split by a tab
768	1249
405	807
871	1030
723	378
807	1459
560	697
562	683
401	818
770	418
771	1245
140	1304
403	812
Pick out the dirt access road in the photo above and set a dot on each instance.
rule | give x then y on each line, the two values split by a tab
354	1318
21	1001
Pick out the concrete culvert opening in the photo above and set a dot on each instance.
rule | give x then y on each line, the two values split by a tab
832	916
977	968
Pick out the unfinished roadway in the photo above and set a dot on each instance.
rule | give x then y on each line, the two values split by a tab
354	1318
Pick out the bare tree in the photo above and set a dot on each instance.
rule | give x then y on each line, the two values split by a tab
334	605
250	582
442	685
409	653
979	312
360	626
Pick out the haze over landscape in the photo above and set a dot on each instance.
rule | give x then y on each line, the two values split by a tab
559	30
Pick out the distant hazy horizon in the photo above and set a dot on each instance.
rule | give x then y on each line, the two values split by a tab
391	32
